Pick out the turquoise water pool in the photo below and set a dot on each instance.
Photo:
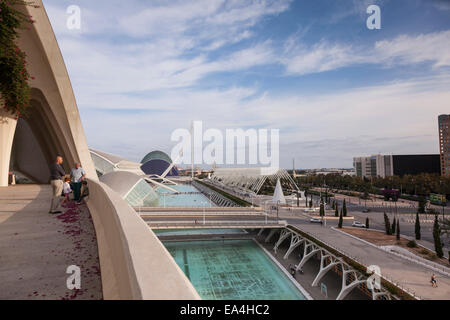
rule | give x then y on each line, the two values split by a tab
190	197
232	270
178	232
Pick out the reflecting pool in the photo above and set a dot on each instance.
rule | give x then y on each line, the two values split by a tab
189	196
184	232
232	269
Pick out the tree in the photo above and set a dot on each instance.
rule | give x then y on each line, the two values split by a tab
417	227
367	223
344	209
336	210
310	203
445	226
322	209
422	203
341	221
398	230
393	226
333	205
387	224
437	237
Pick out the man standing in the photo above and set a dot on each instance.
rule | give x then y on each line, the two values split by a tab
77	175
56	174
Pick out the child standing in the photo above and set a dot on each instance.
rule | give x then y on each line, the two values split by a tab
66	190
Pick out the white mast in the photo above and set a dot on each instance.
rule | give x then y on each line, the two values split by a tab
192	150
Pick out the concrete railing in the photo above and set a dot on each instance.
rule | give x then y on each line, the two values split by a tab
134	263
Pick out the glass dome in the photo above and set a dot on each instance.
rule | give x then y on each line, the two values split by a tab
157	155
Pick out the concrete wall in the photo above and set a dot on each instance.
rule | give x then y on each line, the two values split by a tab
134	263
7	129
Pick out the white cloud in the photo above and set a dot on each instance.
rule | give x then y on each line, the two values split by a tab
399	117
136	70
402	50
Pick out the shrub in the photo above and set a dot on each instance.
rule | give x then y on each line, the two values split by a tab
412	244
14	76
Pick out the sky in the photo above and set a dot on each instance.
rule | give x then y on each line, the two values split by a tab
141	69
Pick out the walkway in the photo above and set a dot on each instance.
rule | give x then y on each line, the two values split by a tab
410	275
36	248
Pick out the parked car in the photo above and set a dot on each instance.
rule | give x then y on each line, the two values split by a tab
366	210
316	220
358	224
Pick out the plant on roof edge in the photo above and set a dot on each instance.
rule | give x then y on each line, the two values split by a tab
14	76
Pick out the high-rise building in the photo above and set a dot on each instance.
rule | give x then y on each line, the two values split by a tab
444	143
396	165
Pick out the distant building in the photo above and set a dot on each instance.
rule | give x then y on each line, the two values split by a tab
398	165
334	171
157	162
444	143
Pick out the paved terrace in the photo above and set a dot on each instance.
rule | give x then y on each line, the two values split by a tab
36	248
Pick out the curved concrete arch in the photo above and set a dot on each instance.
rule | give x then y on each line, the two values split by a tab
52	91
38	139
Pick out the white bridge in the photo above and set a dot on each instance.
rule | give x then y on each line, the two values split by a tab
351	278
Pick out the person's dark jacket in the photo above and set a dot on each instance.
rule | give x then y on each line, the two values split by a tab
56	172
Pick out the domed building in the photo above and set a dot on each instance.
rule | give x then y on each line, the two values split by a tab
157	162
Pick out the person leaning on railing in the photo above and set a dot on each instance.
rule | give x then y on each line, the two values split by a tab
77	175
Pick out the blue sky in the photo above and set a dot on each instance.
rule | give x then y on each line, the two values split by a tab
335	89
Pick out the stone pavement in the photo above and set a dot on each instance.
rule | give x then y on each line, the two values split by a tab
36	248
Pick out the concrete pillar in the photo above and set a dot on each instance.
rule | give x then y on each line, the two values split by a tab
7	130
346	289
271	234
284	234
324	267
296	240
307	255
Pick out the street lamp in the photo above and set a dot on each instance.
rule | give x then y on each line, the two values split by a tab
204	213
278	204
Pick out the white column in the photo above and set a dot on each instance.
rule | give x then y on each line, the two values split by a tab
7	130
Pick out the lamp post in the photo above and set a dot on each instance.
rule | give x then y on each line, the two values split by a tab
204	214
278	204
442	202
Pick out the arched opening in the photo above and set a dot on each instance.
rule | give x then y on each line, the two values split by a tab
37	142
